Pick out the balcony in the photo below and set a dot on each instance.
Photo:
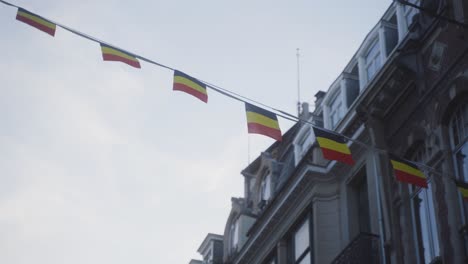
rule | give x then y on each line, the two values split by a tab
364	249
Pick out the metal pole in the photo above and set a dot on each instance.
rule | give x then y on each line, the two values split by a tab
379	208
298	84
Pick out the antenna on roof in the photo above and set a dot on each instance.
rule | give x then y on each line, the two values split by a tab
298	84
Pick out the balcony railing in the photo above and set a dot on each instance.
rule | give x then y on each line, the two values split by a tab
364	249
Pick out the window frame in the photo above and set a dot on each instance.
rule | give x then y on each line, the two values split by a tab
234	235
409	12
425	234
458	143
371	59
265	187
308	251
335	105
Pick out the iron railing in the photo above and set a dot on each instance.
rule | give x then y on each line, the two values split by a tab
364	249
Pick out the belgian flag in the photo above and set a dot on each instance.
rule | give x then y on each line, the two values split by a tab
113	54
261	121
36	21
190	85
333	146
463	188
408	172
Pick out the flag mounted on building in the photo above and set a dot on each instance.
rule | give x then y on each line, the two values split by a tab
463	188
408	172
190	85
333	146
36	21
263	122
113	54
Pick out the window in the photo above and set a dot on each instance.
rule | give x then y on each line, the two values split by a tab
301	244
234	233
208	258
459	137
373	60
363	205
335	111
265	187
358	204
271	259
410	12
302	143
423	216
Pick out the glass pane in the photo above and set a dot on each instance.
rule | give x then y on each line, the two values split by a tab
424	227
370	71
378	62
333	119
234	234
266	188
410	12
433	225
363	209
301	240
306	259
462	161
373	51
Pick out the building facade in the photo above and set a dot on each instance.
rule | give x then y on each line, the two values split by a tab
405	91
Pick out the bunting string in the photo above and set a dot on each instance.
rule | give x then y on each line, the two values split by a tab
258	118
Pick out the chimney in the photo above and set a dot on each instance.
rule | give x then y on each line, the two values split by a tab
305	113
319	98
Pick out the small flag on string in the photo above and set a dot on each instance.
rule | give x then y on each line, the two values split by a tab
36	21
261	121
333	146
112	54
463	188
408	172
190	85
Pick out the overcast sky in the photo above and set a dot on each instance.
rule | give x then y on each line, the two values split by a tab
103	163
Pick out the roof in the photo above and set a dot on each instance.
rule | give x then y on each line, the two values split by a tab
205	244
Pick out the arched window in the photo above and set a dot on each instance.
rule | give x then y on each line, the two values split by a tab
423	215
265	187
234	235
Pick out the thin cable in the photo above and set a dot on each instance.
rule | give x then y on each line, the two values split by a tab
232	94
434	14
214	87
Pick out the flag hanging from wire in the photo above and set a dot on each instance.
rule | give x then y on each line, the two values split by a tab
113	54
263	122
36	21
408	172
333	146
463	188
190	85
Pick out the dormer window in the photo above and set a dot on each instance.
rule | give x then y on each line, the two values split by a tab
302	143
373	60
335	111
